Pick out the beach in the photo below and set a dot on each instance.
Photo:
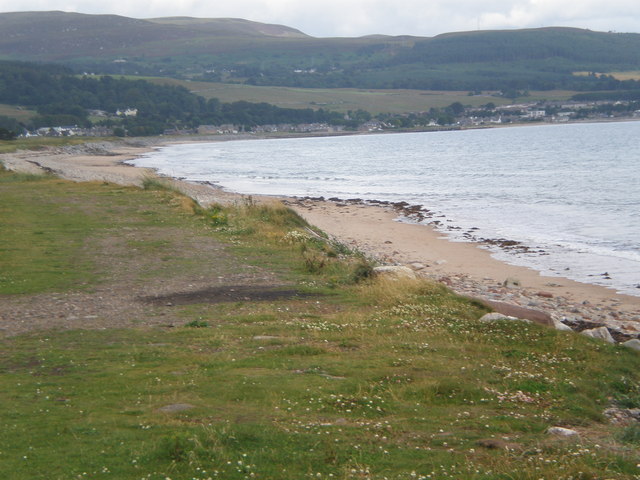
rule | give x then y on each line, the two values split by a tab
375	230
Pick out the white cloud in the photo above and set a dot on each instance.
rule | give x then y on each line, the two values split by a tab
363	17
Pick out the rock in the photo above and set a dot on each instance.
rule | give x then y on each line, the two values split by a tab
440	262
417	266
558	325
511	283
622	415
446	280
396	271
545	294
634	344
562	432
601	333
495	316
265	337
511	310
176	407
622	330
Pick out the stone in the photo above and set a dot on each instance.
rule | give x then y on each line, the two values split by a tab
622	415
396	271
634	344
558	325
562	432
417	266
495	316
545	294
601	333
265	337
536	316
176	407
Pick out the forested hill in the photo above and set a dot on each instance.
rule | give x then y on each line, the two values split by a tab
235	50
61	98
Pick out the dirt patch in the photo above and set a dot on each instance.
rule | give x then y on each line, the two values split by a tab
144	255
233	293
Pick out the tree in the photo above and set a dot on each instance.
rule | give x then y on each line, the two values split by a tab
7	134
456	108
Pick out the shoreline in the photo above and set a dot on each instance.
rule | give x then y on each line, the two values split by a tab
374	230
466	267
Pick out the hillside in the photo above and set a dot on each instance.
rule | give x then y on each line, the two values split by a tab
240	51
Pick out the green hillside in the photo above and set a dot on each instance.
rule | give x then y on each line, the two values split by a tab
240	51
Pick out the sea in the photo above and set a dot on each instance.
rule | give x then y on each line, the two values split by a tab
561	199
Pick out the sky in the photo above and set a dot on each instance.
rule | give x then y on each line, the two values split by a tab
351	18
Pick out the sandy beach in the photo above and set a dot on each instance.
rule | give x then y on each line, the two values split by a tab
374	230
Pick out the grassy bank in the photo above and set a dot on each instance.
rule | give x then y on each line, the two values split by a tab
37	143
277	356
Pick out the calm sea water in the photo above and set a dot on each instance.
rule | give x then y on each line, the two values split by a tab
570	192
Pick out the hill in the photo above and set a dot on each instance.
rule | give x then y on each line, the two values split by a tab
236	50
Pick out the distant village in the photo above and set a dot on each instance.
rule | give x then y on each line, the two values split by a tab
462	117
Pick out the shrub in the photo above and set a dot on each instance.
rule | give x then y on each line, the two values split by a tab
197	324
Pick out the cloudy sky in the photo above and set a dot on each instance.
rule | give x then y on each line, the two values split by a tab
325	18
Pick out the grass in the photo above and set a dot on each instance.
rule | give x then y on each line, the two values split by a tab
373	379
51	228
38	143
629	75
344	99
19	113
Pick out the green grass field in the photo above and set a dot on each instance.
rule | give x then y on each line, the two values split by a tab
20	114
344	99
351	378
630	75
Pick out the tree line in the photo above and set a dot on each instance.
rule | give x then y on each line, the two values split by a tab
62	98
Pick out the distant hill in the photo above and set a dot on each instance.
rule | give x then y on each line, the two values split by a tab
61	36
236	50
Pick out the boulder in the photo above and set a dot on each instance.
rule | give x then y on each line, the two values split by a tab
536	316
495	316
562	432
634	344
176	407
623	416
394	271
558	325
601	333
622	330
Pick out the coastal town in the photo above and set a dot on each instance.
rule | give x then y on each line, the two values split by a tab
455	116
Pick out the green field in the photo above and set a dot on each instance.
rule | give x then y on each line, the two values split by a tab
630	75
344	99
266	351
19	113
